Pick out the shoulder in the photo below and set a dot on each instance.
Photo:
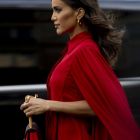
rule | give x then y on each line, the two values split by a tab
89	51
88	44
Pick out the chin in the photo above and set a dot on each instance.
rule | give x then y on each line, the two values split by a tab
61	32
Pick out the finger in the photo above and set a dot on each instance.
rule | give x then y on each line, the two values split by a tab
30	113
27	110
23	106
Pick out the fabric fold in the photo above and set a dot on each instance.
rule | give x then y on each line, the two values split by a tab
103	92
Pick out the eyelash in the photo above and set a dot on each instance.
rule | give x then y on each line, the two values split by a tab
58	10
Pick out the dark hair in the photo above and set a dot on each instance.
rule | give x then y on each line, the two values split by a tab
107	37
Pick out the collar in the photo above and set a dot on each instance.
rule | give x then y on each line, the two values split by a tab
78	39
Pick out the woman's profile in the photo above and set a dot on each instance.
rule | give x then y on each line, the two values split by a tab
85	100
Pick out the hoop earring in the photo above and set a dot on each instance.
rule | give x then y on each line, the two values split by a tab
79	22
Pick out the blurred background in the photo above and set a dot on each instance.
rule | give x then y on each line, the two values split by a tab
29	47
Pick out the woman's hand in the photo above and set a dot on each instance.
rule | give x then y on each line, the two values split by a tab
35	106
38	106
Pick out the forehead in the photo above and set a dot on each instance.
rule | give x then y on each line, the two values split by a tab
58	3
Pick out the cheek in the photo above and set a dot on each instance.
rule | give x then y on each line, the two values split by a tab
67	19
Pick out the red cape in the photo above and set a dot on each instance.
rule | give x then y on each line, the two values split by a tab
109	101
101	89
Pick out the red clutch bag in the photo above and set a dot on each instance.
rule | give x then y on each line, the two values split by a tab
33	133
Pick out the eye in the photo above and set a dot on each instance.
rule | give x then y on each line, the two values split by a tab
58	10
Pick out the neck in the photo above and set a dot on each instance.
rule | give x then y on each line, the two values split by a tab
78	30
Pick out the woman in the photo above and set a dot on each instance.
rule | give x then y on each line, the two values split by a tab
85	99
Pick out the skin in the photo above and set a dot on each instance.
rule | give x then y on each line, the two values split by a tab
65	20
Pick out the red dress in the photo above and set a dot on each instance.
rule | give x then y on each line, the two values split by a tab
82	73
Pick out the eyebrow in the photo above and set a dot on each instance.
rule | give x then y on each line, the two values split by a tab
55	7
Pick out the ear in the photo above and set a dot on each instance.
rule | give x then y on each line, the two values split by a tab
81	13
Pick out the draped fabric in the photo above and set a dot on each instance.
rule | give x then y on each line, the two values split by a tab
82	73
104	94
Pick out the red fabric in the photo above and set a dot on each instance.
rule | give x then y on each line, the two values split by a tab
83	74
32	136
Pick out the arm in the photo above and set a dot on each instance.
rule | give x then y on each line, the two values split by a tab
40	106
77	108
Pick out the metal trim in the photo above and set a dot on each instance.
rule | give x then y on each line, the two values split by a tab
42	87
23	88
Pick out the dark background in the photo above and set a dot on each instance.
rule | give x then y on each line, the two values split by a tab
29	47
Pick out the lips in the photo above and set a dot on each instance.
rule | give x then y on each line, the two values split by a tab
56	25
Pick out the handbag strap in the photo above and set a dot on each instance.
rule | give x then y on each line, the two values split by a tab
35	129
27	99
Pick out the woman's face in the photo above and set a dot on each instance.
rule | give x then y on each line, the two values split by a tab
64	17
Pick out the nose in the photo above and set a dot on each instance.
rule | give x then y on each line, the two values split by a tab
53	18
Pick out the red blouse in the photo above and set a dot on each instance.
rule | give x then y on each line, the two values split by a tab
82	73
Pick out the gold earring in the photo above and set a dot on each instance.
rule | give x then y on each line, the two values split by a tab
79	22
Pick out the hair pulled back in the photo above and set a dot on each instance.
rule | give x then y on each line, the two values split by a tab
107	37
